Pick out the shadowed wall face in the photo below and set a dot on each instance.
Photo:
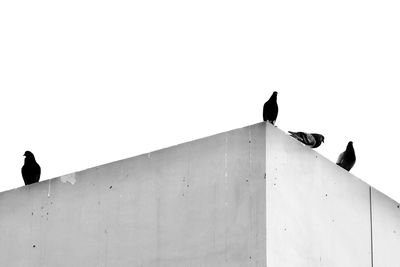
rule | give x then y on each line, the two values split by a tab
201	203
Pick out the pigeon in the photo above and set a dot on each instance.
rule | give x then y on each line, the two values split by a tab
270	111
312	140
31	169
347	159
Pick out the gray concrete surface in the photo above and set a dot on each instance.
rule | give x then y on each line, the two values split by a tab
200	203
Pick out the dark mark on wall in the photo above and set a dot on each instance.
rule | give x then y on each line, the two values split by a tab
110	186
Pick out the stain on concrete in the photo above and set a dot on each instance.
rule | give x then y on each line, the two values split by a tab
48	191
70	178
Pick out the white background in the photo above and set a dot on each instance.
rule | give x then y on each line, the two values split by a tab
84	83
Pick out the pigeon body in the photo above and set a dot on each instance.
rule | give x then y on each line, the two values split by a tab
270	111
312	140
31	169
347	159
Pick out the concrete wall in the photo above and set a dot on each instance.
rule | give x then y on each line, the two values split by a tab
320	215
249	197
200	203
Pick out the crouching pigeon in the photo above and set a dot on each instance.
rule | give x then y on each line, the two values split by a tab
312	140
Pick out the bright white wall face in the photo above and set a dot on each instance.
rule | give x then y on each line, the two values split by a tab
386	230
200	203
317	213
320	215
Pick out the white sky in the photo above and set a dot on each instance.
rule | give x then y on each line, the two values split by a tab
84	83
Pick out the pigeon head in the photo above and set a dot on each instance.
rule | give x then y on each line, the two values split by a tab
350	145
320	137
29	154
273	96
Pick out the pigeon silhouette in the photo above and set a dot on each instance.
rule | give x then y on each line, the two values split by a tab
347	159
312	140
270	111
31	169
